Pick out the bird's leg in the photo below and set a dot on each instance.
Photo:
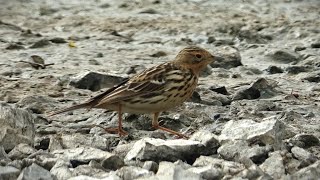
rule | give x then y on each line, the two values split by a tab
121	132
155	124
119	129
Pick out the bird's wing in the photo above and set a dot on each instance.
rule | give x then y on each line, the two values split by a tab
152	80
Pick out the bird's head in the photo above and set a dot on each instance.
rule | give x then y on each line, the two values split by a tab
194	58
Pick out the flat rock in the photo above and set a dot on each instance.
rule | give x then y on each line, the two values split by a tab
274	165
310	172
234	150
75	140
207	172
21	151
303	155
223	166
36	103
161	150
208	139
175	171
82	154
254	172
133	172
9	173
111	176
270	131
16	126
89	171
61	170
35	172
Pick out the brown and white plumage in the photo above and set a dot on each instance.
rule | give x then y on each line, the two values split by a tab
154	90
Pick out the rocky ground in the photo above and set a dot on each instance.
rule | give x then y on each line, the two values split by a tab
255	114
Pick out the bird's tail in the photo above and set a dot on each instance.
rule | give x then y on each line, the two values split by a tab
71	108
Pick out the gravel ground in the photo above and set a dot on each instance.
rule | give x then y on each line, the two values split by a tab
255	113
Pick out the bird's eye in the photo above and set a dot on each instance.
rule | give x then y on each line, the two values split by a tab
199	56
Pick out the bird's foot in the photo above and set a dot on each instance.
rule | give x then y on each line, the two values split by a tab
182	136
119	131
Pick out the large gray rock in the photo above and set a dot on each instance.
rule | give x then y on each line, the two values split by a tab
88	171
274	165
306	157
133	172
16	126
238	149
110	176
208	139
304	140
169	150
21	151
35	172
175	171
9	173
223	166
75	140
254	172
310	172
207	172
82	154
61	170
36	103
269	131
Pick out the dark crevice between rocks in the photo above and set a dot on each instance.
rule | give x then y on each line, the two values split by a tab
76	163
43	144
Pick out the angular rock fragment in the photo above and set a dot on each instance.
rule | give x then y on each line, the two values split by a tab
16	126
274	165
310	172
274	70
35	172
173	171
61	170
88	171
21	151
82	155
229	58
133	172
41	43
112	163
151	166
234	150
9	173
75	140
254	172
95	81
36	103
261	88
304	156
208	139
169	150
304	140
270	131
207	172
285	56
224	167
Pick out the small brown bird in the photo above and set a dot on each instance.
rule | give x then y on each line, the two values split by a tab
154	90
